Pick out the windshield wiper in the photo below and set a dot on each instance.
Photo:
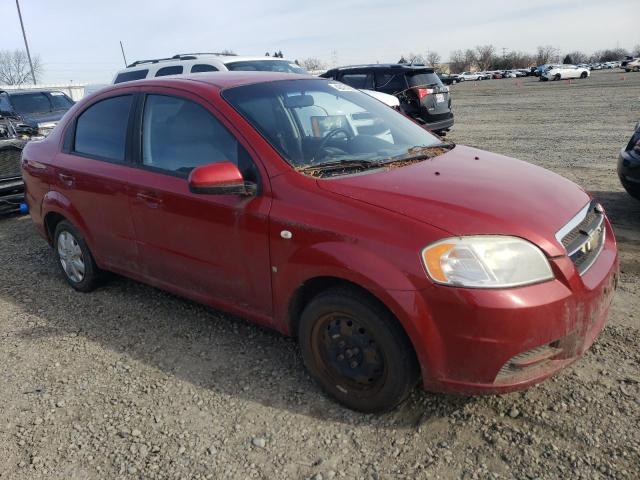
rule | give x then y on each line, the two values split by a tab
337	164
421	152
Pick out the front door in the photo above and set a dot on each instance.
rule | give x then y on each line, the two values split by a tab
213	248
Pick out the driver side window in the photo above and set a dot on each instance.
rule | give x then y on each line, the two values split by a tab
179	135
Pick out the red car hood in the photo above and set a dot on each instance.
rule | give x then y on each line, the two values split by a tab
468	191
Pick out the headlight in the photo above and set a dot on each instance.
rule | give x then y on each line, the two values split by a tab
486	261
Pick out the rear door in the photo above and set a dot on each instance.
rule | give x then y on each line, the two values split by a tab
92	172
213	248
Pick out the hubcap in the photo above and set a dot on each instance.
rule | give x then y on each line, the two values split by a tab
71	257
348	352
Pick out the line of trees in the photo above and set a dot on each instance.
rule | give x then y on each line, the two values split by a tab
486	57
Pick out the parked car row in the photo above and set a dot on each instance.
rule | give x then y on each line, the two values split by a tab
493	74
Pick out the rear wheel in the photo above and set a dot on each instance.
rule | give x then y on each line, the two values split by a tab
74	258
357	351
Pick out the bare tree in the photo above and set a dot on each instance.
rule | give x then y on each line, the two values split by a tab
228	51
456	61
484	56
635	51
312	63
433	58
545	54
14	67
415	58
610	55
470	59
577	57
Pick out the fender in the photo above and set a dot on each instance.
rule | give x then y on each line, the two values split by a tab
56	202
376	274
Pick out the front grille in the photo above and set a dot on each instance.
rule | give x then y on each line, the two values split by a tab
10	161
584	240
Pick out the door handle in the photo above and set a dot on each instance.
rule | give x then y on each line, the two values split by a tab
67	179
149	199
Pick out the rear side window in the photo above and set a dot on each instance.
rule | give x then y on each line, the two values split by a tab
130	76
173	70
265	66
60	101
101	130
201	67
358	80
390	82
179	135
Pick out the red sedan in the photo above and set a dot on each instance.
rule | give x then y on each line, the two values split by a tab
312	208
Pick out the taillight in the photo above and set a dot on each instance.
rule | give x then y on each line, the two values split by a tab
423	92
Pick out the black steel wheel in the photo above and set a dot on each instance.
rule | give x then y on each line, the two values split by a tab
357	351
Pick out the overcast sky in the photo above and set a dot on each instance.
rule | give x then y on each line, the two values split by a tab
78	40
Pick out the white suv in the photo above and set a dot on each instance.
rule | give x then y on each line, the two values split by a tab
560	72
188	63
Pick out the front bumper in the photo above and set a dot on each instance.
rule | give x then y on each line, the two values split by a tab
493	341
11	194
629	168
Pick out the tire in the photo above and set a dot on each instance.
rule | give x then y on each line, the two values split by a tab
557	76
74	258
632	189
583	75
356	351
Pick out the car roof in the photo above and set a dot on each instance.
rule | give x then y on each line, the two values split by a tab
220	80
30	90
386	66
196	57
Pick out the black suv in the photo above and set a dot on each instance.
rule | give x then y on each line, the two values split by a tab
34	112
422	95
24	115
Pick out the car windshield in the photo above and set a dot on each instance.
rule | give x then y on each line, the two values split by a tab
316	123
29	103
283	66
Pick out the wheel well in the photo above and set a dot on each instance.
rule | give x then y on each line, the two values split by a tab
51	221
312	288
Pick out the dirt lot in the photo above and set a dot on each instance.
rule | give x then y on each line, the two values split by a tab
130	382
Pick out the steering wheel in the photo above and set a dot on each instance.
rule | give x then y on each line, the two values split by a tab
329	136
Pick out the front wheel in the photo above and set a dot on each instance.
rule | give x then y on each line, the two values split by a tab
74	258
583	75
557	76
356	351
632	189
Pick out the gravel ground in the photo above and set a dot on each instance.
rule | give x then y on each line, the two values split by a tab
130	382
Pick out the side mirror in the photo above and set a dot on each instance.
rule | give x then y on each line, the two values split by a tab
221	178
